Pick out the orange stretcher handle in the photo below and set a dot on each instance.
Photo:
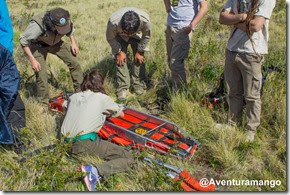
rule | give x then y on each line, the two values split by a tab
184	185
194	183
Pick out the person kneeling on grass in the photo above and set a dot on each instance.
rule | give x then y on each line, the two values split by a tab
86	113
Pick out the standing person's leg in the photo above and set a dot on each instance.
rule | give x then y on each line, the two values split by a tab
16	117
251	66
17	120
40	54
63	51
122	74
143	74
234	83
117	158
179	51
169	44
138	70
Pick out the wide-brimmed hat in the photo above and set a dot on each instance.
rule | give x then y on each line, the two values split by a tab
61	20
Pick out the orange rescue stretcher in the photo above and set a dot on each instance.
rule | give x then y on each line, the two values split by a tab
140	130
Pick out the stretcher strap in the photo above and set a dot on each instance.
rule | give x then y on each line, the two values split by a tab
136	126
111	137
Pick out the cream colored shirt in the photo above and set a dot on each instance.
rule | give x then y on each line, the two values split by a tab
239	40
86	113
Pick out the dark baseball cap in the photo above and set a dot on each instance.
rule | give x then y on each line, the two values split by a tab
61	20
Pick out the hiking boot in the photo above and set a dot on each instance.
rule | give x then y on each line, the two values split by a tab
121	95
250	136
19	148
229	125
223	126
92	179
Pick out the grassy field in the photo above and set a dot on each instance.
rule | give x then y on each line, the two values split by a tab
223	153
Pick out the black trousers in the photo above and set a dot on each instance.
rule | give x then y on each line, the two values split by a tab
16	118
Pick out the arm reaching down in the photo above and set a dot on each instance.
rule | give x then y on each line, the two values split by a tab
111	34
146	34
32	32
34	63
74	46
201	13
167	5
111	108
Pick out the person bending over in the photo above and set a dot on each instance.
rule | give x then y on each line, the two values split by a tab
86	113
44	35
126	26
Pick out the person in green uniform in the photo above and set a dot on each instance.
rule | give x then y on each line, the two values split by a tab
129	26
44	35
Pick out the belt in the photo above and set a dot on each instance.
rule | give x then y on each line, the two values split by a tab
92	136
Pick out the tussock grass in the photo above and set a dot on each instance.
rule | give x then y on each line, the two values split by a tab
223	153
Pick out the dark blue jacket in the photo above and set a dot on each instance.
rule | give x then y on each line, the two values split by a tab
9	84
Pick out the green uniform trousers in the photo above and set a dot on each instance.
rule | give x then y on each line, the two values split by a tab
137	71
117	158
63	51
243	77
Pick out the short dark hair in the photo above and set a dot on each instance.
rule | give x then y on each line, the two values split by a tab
130	22
93	81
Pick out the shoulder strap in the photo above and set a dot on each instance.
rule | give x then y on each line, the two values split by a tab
39	20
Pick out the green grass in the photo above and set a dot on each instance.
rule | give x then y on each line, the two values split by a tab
223	153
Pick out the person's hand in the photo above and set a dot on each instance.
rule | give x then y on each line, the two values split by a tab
187	29
122	114
74	49
243	16
121	58
35	66
139	57
242	26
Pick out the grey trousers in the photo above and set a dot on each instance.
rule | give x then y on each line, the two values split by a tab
243	77
177	45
